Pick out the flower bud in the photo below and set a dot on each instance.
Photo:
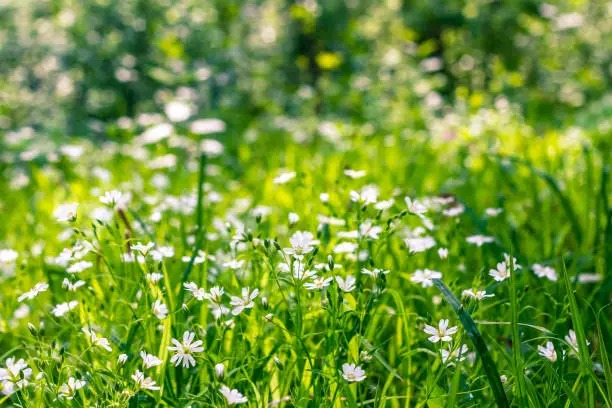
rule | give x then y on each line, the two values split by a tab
219	370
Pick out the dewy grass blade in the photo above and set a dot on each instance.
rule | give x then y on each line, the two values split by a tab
479	344
583	350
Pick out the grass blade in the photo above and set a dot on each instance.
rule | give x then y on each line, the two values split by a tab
479	344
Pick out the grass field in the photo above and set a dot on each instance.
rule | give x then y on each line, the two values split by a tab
348	243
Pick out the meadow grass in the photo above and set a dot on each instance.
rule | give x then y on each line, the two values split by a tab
283	273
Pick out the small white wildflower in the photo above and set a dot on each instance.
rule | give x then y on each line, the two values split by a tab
66	212
233	397
442	332
353	373
184	350
548	351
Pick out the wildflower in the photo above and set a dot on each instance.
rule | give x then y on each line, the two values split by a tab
69	389
149	360
345	247
301	243
63	308
454	211
32	293
95	340
571	339
319	282
144	383
347	285
160	310
415	207
544	272
142	248
162	253
374	272
476	294
122	358
79	267
15	375
367	230
443	253
66	212
324	197
183	351
178	111
479	240
425	277
284	177
493	212
441	333
72	287
548	351
219	370
233	264
384	205
300	272
293	218
112	198
450	356
501	273
367	195
244	302
354	174
233	397
154	277
207	126
512	261
416	245
353	373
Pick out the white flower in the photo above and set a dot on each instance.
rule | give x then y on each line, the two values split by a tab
450	356
183	351
545	272
414	206
501	273
97	341
319	282
79	267
479	240
354	174
454	211
353	373
142	248
15	376
244	302
573	343
293	218
441	333
207	126
301	243
384	205
8	256
284	177
160	310
69	389
443	253
374	272
63	308
219	370
345	247
233	397
300	272
367	195
493	212
178	111
112	198
149	360
368	230
122	358
66	212
416	245
162	253
233	264
514	262
548	351
476	294
144	383
425	277
32	293
72	287
324	197
347	285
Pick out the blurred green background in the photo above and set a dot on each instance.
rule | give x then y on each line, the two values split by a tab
78	67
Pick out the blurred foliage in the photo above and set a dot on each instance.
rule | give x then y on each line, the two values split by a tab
74	67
